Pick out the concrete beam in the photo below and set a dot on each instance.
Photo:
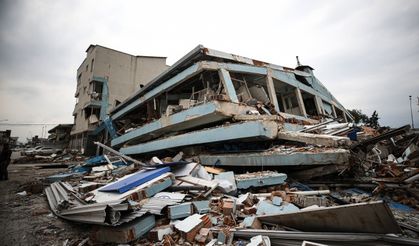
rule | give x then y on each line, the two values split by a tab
228	85
282	76
334	111
271	90
298	117
196	116
319	104
276	158
241	68
240	131
345	117
316	139
258	179
300	102
284	105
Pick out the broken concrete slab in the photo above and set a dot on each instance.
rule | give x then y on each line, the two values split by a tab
227	182
259	179
258	130
277	158
180	210
315	139
372	217
187	119
266	207
201	207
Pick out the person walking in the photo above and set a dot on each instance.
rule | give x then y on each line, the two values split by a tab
5	155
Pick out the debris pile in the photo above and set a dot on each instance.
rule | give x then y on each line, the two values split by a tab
64	157
178	201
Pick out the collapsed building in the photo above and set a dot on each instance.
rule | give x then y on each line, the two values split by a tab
179	169
220	106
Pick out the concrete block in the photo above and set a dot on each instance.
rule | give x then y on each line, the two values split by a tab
276	200
258	179
265	207
180	211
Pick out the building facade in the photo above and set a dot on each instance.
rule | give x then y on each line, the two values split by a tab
105	78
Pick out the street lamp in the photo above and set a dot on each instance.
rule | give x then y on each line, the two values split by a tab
411	111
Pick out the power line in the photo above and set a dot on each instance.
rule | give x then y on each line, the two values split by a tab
27	124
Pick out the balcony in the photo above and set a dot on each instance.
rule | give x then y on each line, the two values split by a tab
92	104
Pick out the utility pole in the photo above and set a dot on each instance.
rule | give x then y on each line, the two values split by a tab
411	111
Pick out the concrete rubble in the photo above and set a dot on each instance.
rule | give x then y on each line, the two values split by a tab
161	202
225	150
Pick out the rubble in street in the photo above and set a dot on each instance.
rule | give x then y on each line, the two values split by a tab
64	157
225	150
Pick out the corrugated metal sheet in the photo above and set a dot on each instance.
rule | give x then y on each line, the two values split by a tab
155	205
138	193
134	180
64	203
172	196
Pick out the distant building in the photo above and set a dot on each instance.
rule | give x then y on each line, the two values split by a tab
105	78
13	141
60	135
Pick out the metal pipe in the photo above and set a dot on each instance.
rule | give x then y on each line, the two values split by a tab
310	193
411	111
120	154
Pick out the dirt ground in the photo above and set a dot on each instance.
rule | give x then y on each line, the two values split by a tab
27	220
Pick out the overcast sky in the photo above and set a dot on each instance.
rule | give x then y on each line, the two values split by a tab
365	52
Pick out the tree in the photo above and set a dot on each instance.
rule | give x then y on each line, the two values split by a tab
359	117
373	120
